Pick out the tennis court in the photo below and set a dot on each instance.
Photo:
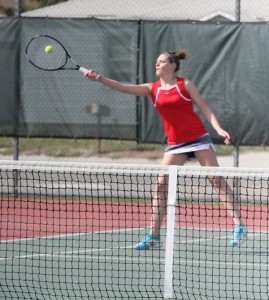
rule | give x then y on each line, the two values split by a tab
69	233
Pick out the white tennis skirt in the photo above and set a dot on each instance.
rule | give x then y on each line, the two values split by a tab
203	143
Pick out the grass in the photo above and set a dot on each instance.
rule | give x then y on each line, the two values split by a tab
56	147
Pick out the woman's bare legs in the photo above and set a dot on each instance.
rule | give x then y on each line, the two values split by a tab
205	158
152	239
160	195
208	158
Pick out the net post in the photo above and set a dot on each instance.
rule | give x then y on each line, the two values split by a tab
170	228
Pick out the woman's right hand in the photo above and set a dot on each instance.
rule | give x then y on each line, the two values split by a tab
92	75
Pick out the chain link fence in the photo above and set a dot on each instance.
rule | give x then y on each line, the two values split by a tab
206	10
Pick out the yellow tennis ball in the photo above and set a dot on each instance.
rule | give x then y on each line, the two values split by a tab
49	49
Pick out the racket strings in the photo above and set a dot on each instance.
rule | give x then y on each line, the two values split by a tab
48	61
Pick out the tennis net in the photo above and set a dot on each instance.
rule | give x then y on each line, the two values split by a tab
67	231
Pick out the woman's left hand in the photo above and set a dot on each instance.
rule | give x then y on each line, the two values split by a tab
226	136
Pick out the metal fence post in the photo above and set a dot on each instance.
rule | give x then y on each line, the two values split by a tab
237	19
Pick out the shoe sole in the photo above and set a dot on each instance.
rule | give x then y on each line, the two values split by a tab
147	247
239	242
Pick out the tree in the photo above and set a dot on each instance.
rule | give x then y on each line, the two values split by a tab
43	3
25	5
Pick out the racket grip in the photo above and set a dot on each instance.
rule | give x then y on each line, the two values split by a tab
82	70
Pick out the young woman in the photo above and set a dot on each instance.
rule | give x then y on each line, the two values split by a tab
173	98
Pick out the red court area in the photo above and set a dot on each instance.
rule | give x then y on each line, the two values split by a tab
35	218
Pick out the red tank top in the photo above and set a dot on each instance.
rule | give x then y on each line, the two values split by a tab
181	123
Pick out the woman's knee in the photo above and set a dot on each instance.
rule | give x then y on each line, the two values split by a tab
162	183
216	181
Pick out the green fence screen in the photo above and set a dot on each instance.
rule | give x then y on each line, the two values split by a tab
227	61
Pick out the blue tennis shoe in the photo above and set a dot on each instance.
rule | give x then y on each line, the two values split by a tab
150	242
239	236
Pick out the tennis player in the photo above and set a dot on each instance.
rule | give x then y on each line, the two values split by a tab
173	98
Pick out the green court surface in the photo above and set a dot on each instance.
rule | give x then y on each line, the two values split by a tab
103	265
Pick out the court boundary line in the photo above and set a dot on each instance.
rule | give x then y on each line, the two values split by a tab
126	229
67	235
65	254
180	261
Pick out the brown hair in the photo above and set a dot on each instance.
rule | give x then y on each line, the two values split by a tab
175	57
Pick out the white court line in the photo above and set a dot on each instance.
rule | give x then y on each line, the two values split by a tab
193	241
25	256
67	235
188	241
145	259
56	237
119	230
181	261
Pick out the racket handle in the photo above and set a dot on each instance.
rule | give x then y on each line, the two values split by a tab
82	70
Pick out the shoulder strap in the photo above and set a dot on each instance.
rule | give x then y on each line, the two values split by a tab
154	90
180	83
181	86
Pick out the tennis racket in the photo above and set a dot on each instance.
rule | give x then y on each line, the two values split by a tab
47	53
